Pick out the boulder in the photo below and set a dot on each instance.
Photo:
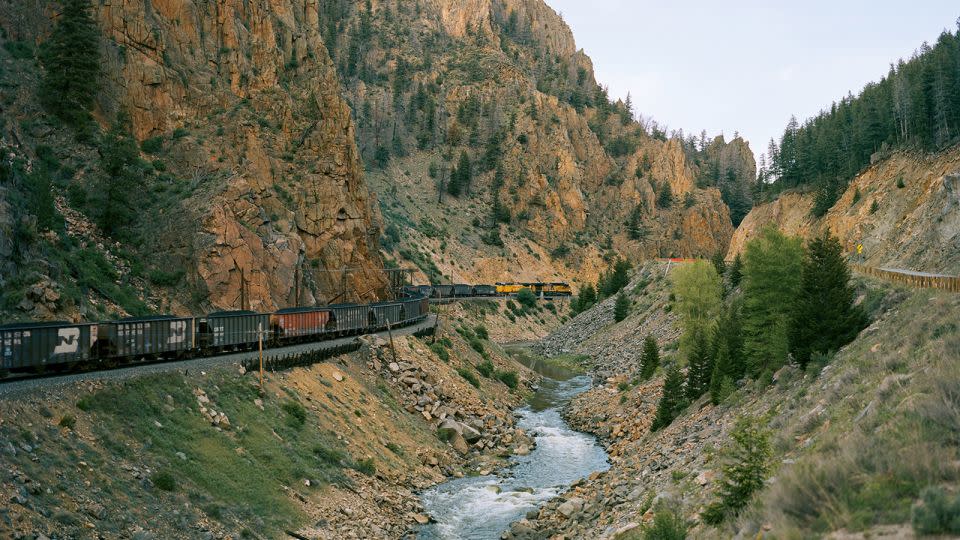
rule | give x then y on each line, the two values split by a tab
571	507
459	444
471	435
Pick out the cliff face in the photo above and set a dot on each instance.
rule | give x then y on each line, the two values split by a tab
247	102
503	81
915	227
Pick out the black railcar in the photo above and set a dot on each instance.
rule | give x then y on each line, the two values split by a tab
425	290
27	346
351	318
462	290
230	330
160	336
484	290
443	291
388	312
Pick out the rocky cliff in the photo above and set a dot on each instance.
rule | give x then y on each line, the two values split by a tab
904	210
555	162
255	138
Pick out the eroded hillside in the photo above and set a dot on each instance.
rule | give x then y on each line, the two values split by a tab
904	210
559	174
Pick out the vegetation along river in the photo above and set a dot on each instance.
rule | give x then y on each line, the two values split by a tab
483	507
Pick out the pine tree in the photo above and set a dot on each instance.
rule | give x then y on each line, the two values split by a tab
672	401
824	316
718	262
635	228
746	462
71	61
621	308
587	298
736	271
665	198
772	269
650	359
123	177
615	278
453	185
699	367
721	384
464	171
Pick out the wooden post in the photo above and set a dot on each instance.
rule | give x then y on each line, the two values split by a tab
260	340
392	348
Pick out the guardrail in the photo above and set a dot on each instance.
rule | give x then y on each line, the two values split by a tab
925	281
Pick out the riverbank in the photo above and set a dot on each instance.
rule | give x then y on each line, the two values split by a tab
837	431
485	506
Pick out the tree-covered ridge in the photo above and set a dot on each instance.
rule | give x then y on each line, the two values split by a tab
917	105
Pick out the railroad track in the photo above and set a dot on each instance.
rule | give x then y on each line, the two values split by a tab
14	386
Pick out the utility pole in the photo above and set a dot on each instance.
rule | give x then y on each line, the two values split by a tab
296	286
260	340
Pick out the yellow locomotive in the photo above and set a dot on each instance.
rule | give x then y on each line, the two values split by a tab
538	288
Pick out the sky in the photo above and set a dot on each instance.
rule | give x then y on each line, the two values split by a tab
746	66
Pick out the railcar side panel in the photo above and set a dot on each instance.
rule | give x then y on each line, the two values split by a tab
35	345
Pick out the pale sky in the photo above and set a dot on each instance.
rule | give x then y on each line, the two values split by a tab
747	65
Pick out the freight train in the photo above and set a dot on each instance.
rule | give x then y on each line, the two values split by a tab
541	289
64	346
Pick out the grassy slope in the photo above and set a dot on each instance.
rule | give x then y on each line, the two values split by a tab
855	443
353	438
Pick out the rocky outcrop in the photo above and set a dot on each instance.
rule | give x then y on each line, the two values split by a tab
915	227
247	103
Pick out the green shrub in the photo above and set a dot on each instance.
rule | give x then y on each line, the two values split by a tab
666	525
469	376
395	448
162	278
938	514
328	456
623	386
153	145
486	368
481	332
366	466
745	466
900	184
508	378
526	298
164	480
68	421
84	403
439	350
180	133
296	414
477	345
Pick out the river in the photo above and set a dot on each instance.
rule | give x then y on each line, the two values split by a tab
483	507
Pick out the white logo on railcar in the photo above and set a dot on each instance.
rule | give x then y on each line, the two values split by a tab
68	340
178	332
